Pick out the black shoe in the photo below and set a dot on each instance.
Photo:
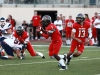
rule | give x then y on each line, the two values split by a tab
43	57
68	60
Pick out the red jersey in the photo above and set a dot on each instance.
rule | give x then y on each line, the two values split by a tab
55	35
36	20
93	19
69	24
81	31
12	21
21	38
88	20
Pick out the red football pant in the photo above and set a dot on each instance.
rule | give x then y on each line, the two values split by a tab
31	49
54	47
75	44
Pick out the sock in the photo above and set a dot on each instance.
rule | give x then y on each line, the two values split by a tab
61	56
40	54
1	49
61	61
4	57
52	57
66	41
69	42
71	56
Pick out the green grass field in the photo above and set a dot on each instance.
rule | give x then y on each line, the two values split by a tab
87	64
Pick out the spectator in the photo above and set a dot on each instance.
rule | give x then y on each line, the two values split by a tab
68	29
25	25
58	23
7	20
63	24
94	31
61	16
12	21
87	18
97	25
30	30
36	22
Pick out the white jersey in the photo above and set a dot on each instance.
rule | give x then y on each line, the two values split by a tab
6	26
13	42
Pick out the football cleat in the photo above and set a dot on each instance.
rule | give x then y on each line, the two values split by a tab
43	57
63	68
3	57
59	65
22	56
68	60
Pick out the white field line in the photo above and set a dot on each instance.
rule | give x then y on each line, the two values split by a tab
46	62
62	46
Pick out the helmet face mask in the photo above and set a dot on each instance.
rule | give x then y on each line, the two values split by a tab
80	18
19	30
46	20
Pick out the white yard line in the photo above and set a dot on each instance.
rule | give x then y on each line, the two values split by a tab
45	62
62	46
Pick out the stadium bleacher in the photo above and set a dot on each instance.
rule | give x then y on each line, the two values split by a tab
53	3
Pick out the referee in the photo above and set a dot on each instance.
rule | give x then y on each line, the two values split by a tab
97	25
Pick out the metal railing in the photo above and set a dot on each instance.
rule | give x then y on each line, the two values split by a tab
53	3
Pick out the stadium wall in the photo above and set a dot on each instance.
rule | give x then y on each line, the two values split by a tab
20	14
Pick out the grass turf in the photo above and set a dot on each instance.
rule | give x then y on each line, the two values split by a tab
87	64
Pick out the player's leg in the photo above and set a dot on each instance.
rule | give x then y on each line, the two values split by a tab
8	50
80	49
56	49
2	53
51	50
32	51
70	53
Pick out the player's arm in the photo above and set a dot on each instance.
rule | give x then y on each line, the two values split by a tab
73	36
90	33
43	32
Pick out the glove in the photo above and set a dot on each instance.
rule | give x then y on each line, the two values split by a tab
24	46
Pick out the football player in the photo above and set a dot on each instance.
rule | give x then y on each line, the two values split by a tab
23	37
5	32
80	32
11	46
47	30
